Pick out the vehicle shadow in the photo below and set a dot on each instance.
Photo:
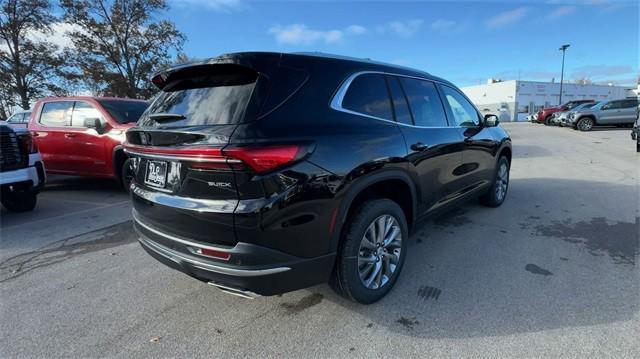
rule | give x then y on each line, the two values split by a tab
72	183
546	259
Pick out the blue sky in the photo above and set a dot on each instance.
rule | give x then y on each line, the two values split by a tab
465	42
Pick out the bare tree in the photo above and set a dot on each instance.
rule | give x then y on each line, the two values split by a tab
29	67
119	44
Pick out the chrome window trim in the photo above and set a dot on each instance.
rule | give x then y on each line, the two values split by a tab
338	97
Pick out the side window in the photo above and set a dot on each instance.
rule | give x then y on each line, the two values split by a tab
403	114
630	103
463	112
83	110
15	118
56	114
424	102
368	95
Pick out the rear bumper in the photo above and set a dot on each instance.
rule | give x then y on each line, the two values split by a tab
250	268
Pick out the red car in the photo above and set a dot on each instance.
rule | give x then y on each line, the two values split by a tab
544	115
83	136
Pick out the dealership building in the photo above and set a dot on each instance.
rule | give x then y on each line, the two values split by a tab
514	100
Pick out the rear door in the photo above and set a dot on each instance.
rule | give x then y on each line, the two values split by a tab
628	111
478	157
434	148
50	130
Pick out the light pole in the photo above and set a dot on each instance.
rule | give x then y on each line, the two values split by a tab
562	48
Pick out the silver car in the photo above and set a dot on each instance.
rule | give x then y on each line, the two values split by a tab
617	112
564	118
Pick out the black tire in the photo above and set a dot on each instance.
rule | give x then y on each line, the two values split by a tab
547	121
496	195
347	281
20	201
126	175
585	124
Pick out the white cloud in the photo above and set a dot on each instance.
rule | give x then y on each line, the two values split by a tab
300	34
58	35
216	5
443	25
561	11
356	29
507	17
404	28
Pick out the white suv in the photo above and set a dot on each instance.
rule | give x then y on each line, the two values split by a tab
22	172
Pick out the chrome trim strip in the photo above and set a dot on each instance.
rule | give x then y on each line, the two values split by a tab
336	101
187	203
176	239
181	158
178	257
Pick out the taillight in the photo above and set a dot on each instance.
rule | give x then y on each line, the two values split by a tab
27	144
265	158
260	158
214	253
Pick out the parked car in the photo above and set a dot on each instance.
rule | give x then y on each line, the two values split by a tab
19	119
544	115
83	136
635	132
263	173
21	169
564	119
617	112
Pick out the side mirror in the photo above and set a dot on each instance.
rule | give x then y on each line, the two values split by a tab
491	120
94	123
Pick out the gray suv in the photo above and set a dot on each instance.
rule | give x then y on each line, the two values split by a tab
617	112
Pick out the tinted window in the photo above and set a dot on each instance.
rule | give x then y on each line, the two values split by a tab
424	102
218	98
56	113
611	105
124	111
463	112
403	114
629	103
81	111
368	95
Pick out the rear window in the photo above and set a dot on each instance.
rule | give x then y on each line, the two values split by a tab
218	97
124	111
368	95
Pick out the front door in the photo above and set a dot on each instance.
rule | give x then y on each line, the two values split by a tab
478	158
86	144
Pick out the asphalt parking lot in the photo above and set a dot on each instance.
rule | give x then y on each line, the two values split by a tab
553	272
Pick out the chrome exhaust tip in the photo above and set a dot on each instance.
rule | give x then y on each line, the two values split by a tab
234	291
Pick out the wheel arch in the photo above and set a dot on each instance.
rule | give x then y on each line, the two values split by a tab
395	185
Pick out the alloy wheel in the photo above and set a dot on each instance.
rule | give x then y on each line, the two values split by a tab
379	253
502	182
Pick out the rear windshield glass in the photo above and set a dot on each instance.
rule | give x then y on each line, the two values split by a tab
211	99
124	111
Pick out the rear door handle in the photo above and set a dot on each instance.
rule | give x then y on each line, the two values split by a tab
69	135
419	146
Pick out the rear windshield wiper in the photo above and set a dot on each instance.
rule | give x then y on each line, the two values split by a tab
166	117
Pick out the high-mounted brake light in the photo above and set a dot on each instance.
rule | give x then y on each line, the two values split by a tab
264	158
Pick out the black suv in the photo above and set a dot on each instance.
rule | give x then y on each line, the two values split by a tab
263	173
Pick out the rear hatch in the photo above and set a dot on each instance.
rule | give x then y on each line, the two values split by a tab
185	169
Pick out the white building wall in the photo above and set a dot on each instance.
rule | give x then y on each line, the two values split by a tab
518	99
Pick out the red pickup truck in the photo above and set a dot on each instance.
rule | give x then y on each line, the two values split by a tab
544	115
83	135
